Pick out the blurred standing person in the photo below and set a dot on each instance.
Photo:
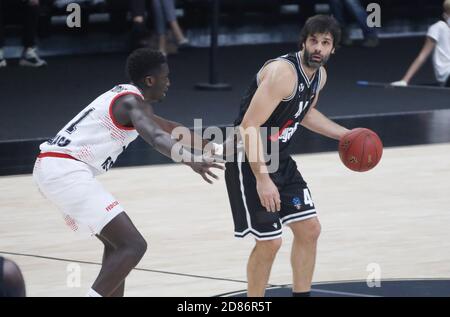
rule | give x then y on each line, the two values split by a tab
30	15
139	34
438	42
164	12
339	8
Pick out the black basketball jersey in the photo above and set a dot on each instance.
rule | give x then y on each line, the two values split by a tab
290	111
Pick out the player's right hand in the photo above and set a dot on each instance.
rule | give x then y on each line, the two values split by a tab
203	168
268	194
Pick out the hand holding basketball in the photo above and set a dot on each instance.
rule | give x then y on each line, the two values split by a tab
360	149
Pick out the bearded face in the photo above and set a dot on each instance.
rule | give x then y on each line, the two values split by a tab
317	50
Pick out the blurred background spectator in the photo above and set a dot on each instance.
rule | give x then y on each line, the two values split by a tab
106	24
437	41
341	10
164	13
29	13
140	35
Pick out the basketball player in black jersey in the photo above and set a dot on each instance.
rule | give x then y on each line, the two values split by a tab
284	95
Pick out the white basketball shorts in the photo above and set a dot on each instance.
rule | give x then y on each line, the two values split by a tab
70	184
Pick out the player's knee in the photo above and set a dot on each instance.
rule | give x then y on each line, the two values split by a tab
134	248
315	234
312	232
270	247
139	247
143	246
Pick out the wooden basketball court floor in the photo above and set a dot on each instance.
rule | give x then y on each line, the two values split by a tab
396	216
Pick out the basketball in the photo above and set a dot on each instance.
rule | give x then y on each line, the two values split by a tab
360	149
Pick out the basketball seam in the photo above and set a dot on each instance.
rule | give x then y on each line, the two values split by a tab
366	136
376	151
352	144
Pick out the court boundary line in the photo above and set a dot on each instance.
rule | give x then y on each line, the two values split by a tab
135	269
270	286
225	125
312	290
405	279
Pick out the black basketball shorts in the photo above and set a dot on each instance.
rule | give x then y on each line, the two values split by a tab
250	217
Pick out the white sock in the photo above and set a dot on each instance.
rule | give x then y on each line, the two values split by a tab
92	293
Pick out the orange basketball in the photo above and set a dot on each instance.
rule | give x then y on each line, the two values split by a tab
360	149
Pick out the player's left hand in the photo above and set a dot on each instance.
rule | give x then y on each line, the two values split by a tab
203	168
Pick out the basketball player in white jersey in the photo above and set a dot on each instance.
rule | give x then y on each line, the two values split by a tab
89	145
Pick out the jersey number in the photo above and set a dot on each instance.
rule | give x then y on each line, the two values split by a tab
107	164
73	127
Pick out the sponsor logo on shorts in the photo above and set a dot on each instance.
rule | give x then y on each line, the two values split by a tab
112	205
297	202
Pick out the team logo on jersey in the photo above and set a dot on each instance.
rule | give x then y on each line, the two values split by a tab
301	106
118	89
297	203
275	225
301	87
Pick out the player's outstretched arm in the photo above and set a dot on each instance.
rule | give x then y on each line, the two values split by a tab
141	116
139	113
183	134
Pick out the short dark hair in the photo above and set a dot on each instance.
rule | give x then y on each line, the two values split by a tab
321	24
142	63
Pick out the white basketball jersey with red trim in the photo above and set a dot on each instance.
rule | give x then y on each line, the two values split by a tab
94	136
